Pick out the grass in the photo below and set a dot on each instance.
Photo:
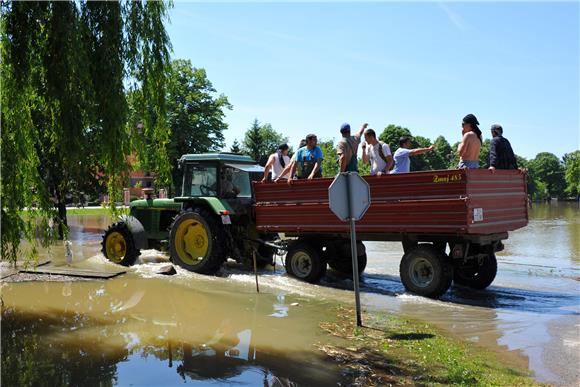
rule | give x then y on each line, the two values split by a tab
74	211
394	350
88	211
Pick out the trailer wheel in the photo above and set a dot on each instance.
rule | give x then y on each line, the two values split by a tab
341	260
477	277
304	262
118	245
195	241
265	256
425	271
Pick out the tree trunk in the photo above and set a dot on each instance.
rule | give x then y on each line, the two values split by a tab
61	206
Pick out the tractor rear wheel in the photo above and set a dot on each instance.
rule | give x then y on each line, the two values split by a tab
118	245
195	241
304	262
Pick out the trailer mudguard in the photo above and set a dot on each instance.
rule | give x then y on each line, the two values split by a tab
137	230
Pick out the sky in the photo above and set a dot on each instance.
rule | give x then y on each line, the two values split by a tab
308	67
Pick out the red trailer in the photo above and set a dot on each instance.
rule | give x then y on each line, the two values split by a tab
450	222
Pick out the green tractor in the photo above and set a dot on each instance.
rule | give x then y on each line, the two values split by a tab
210	222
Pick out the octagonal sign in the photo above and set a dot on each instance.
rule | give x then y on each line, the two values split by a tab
349	196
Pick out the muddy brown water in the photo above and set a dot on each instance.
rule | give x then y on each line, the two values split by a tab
146	329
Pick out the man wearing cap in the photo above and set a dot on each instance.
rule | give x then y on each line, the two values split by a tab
501	155
277	163
347	148
470	143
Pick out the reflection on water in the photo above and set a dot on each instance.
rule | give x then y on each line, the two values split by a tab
136	331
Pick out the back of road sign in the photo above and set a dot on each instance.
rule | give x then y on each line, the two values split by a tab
348	188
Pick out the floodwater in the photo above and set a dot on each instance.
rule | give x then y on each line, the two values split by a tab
145	329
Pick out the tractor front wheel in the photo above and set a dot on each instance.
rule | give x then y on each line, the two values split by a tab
118	245
195	241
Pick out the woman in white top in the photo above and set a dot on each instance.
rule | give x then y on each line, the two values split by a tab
277	162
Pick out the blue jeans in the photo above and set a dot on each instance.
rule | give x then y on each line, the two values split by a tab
470	164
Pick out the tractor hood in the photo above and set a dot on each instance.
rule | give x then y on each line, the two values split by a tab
156	203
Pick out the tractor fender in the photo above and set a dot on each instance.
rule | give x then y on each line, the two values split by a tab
215	205
137	231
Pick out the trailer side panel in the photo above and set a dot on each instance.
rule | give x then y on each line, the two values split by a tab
438	202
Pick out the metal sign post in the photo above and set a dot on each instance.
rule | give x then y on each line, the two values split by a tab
349	198
353	251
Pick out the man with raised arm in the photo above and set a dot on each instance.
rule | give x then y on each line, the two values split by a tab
347	148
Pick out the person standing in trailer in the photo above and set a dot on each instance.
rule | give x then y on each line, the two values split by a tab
277	163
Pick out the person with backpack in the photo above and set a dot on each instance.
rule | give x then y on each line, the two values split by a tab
291	165
277	162
347	148
377	154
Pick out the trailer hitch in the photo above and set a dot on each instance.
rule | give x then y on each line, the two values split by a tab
280	246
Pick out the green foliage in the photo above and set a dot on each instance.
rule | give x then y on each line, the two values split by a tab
484	154
454	160
64	107
422	162
391	135
235	148
330	160
442	154
148	65
261	140
195	115
253	143
547	168
363	169
572	172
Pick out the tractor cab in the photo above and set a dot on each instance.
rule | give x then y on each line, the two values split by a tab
222	180
220	175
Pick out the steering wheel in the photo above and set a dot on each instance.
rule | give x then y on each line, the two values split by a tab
206	190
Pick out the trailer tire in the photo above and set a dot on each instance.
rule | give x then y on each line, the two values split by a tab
478	278
425	271
305	262
196	241
118	245
342	260
265	256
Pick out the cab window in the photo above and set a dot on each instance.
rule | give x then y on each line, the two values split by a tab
200	180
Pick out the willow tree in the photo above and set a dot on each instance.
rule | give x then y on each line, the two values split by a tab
65	70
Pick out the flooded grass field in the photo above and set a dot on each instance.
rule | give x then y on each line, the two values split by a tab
145	329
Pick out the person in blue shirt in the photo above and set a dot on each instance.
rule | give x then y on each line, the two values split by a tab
309	159
401	157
